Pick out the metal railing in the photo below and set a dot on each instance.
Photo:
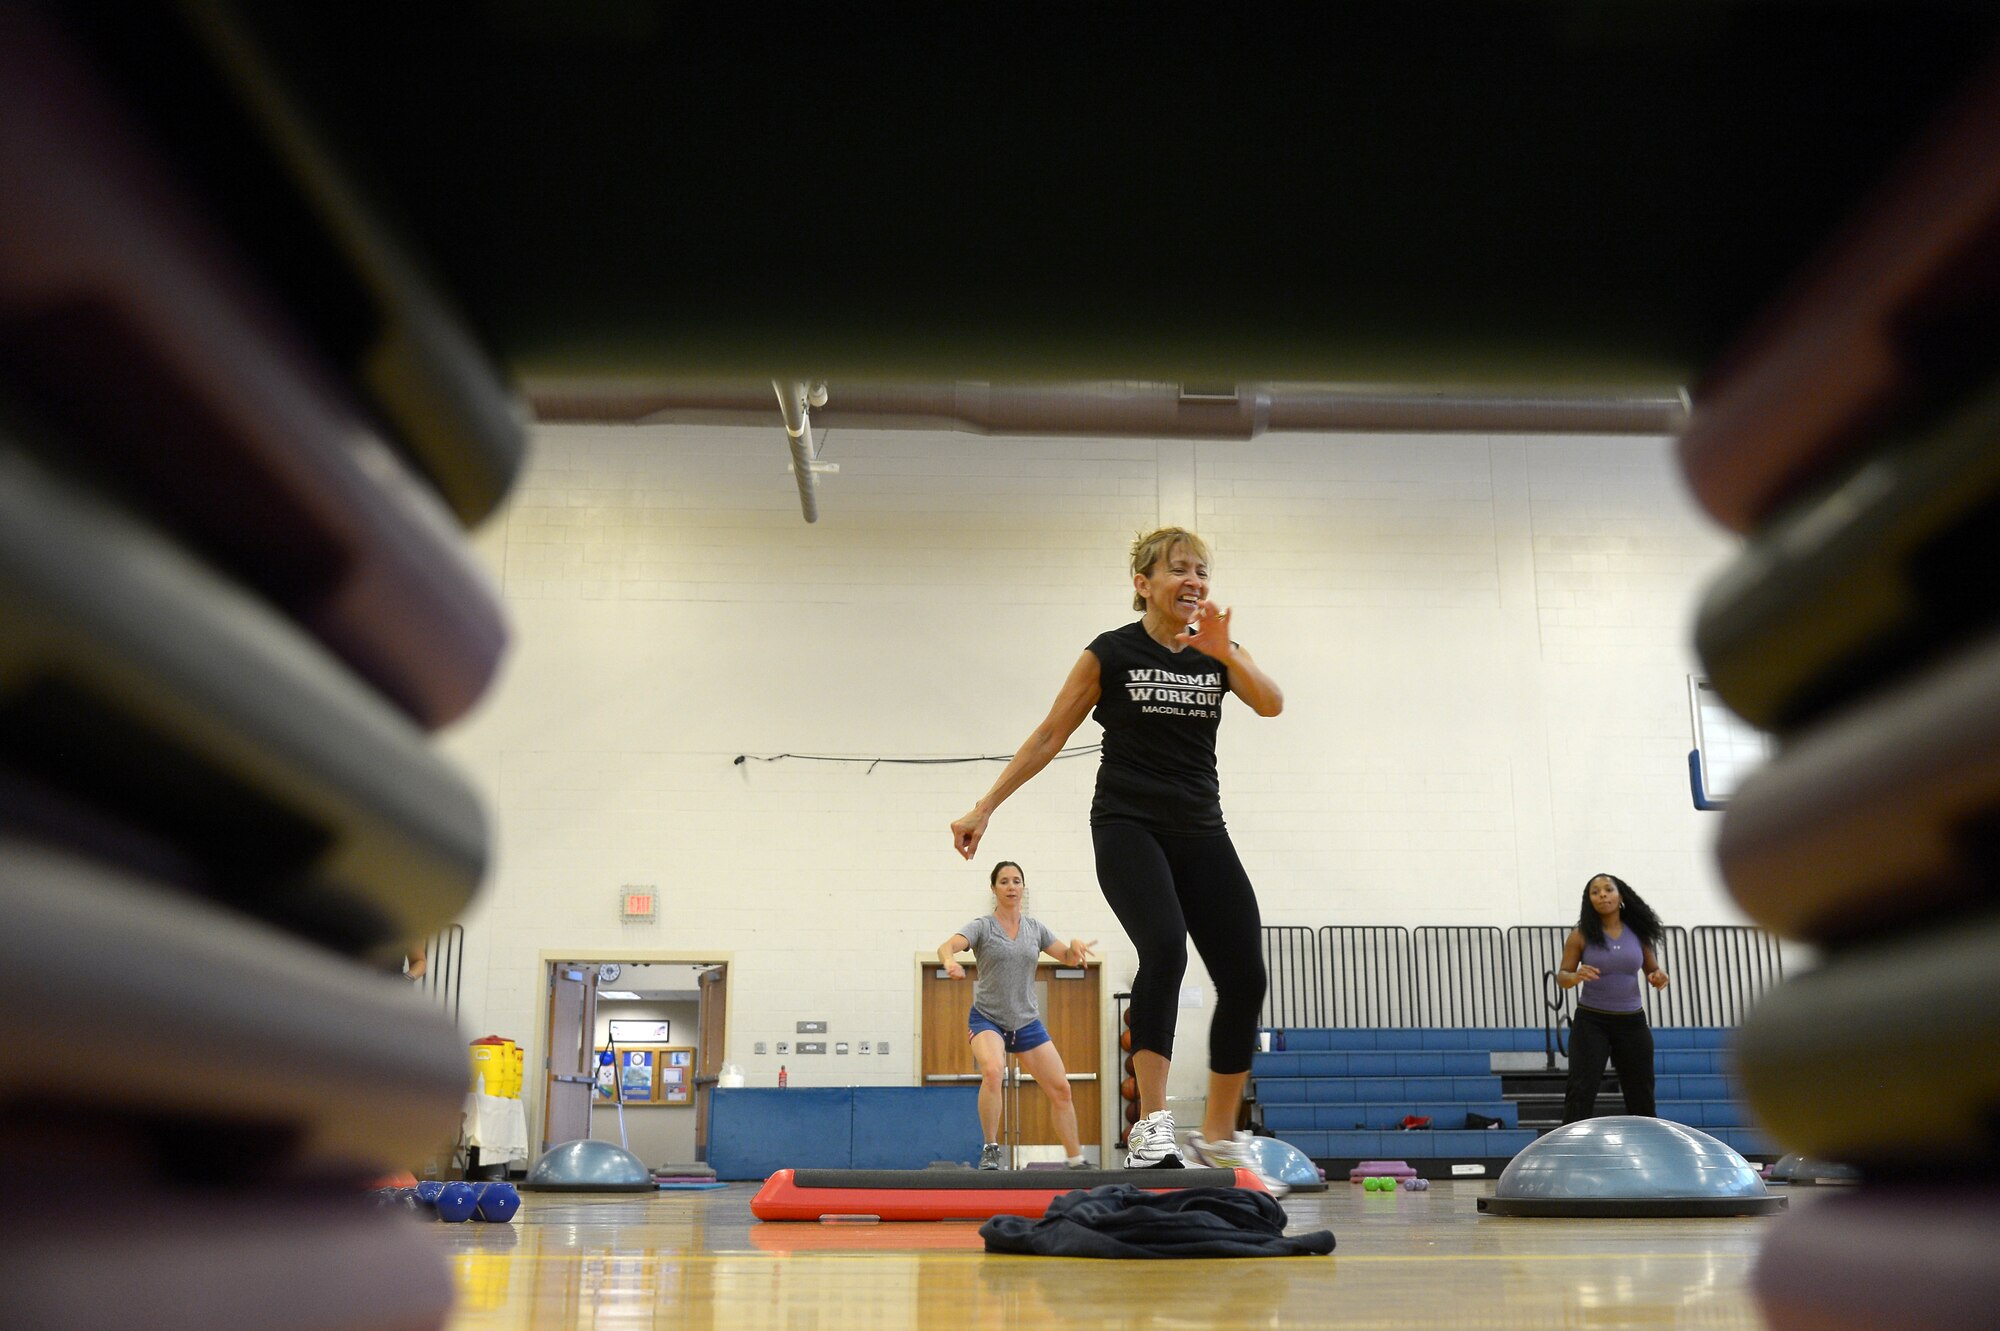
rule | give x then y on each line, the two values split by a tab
444	953
1730	967
1679	1004
1347	975
1293	993
1367	975
1461	977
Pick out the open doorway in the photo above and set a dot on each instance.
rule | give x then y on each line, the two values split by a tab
663	1024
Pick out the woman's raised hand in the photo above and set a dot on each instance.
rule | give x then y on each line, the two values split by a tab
954	970
966	832
1209	633
1079	951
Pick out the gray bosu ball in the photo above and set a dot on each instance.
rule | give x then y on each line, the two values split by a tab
589	1166
1627	1165
1286	1163
1806	1171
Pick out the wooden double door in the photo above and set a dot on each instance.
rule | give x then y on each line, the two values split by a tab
1069	997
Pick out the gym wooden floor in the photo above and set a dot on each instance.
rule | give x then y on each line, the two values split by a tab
1402	1260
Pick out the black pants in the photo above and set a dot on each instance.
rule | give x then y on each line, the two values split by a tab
1166	891
1627	1040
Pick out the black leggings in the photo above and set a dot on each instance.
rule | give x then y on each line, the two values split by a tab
1166	890
1628	1041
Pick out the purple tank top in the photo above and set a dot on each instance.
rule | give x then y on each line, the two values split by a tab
1618	961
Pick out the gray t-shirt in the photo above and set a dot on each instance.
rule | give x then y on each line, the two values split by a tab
1005	989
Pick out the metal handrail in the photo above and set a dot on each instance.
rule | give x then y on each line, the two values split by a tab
1555	1019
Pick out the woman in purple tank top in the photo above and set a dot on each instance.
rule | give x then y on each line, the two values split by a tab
1610	948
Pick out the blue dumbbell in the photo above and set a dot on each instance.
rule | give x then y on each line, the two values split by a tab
456	1202
498	1202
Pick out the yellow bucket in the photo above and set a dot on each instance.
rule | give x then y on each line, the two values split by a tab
494	1065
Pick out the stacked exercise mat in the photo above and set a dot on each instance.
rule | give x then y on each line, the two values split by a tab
1854	439
240	441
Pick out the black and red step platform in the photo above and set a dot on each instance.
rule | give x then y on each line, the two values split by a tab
948	1194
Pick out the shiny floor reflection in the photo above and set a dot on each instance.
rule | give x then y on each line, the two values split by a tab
1404	1260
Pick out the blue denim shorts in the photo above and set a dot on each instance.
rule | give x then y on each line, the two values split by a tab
1031	1036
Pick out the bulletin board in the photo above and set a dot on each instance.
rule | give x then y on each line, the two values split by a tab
649	1074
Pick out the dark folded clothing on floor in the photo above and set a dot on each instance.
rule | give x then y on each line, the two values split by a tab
1123	1221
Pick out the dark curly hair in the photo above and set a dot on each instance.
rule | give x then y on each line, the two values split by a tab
1633	912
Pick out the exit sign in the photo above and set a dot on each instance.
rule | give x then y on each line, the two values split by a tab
637	903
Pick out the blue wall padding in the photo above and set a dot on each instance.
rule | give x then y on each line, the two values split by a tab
907	1127
752	1133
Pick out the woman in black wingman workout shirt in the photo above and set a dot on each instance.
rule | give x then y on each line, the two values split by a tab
1164	859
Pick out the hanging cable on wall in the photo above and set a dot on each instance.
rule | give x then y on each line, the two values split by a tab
1075	751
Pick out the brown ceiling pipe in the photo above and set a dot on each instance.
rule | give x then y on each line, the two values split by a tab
1133	408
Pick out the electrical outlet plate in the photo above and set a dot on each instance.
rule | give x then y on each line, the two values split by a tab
867	1048
881	1046
812	1046
840	1048
784	1048
757	1048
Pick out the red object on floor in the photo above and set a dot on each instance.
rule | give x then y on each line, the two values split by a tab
783	1198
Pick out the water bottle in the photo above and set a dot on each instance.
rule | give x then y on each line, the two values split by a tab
781	1076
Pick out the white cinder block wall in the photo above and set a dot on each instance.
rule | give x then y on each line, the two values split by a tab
1483	643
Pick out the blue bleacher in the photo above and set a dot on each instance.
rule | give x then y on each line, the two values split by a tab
1498	1039
1492	1142
1377	1115
1676	1087
1381	1063
1318	1090
1744	1141
1324	1039
1690	1037
1342	1093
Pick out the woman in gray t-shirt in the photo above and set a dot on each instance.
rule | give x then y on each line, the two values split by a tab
1004	1018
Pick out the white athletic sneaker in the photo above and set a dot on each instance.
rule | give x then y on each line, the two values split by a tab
1234	1154
989	1156
1149	1144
